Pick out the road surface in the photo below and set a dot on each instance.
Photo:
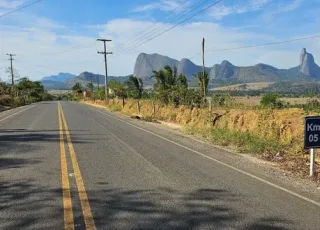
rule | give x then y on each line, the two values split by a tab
74	166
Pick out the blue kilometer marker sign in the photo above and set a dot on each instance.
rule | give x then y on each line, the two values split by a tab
312	132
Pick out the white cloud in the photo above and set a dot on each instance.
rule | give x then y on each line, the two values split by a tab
219	11
47	23
291	6
37	46
281	8
163	5
10	4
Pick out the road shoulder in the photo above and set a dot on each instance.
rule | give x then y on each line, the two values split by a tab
261	168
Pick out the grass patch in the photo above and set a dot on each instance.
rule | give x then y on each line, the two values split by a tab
114	107
244	141
148	118
172	116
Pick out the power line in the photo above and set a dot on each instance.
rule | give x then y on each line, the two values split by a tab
149	36
71	49
141	33
20	8
257	45
172	27
33	69
43	66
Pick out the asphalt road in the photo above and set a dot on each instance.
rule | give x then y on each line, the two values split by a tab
81	167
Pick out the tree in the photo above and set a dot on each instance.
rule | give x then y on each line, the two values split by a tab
182	81
77	88
101	93
161	79
118	88
271	100
135	85
168	84
203	81
179	91
4	88
29	91
89	86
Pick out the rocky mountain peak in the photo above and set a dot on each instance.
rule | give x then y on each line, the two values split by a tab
308	65
226	63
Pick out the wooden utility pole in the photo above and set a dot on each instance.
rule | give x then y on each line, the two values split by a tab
106	66
98	82
12	77
91	78
203	72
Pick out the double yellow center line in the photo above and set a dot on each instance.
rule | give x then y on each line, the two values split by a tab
66	191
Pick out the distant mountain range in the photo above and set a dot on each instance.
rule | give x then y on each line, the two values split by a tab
225	72
68	80
61	77
86	77
146	63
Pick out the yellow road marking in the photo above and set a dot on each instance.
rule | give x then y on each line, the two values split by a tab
86	210
66	193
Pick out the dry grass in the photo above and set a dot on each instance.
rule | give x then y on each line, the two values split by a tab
283	126
249	86
275	135
5	101
59	92
254	101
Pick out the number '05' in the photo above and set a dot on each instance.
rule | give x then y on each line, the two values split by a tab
313	138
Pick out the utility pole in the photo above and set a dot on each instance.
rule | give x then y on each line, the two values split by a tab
92	92
106	67
12	77
91	78
203	72
98	82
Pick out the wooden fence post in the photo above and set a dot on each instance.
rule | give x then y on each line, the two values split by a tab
210	110
138	106
153	109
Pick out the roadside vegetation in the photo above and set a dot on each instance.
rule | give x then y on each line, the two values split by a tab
271	129
24	92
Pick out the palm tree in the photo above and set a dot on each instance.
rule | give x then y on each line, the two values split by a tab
135	84
161	79
182	81
203	81
172	75
169	85
166	77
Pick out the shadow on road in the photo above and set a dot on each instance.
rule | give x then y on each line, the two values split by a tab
34	131
7	162
171	209
15	144
25	205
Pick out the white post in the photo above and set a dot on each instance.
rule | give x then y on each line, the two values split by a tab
312	162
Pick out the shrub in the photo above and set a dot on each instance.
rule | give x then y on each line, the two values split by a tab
148	118
172	116
5	100
271	100
115	107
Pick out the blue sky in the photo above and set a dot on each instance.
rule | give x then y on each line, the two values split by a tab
59	35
